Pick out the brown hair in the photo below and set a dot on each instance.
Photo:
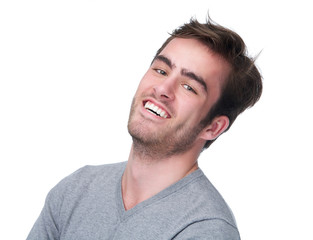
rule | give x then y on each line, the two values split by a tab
243	88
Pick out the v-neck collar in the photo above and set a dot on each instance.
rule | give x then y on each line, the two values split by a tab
123	214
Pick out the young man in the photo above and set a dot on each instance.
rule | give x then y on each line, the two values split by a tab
198	83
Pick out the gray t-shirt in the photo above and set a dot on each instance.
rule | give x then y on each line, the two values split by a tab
88	205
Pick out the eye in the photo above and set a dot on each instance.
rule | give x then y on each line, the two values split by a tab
188	88
160	71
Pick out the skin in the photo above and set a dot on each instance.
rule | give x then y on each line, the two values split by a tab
185	81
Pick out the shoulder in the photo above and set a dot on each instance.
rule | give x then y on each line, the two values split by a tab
88	174
205	204
87	178
96	170
215	229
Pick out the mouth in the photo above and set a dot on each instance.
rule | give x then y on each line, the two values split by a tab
156	110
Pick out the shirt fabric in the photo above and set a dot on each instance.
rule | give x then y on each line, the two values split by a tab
88	205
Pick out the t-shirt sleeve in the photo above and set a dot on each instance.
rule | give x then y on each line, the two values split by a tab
46	226
49	223
214	229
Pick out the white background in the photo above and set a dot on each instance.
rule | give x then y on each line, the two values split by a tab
68	72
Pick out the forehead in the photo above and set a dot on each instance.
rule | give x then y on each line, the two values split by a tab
193	55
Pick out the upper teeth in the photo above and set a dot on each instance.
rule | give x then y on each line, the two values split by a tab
155	109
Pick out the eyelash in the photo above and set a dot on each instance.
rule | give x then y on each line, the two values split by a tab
160	71
188	88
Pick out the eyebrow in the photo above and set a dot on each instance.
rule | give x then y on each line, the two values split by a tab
164	59
184	72
195	77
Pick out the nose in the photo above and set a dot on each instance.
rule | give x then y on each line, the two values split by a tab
165	90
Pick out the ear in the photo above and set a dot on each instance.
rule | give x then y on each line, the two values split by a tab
215	128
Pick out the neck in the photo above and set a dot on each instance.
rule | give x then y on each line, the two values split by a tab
146	176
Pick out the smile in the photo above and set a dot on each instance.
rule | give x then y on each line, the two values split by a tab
155	110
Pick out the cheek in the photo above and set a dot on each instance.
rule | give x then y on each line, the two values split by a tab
190	110
144	83
140	89
196	111
145	88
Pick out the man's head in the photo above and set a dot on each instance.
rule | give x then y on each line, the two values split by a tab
198	83
243	87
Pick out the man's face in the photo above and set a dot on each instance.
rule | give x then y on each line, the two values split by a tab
176	93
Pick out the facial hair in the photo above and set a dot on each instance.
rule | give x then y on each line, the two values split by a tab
156	143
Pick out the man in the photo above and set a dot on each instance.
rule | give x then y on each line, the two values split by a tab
197	84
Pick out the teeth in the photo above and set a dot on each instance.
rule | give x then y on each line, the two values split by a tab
155	109
147	105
